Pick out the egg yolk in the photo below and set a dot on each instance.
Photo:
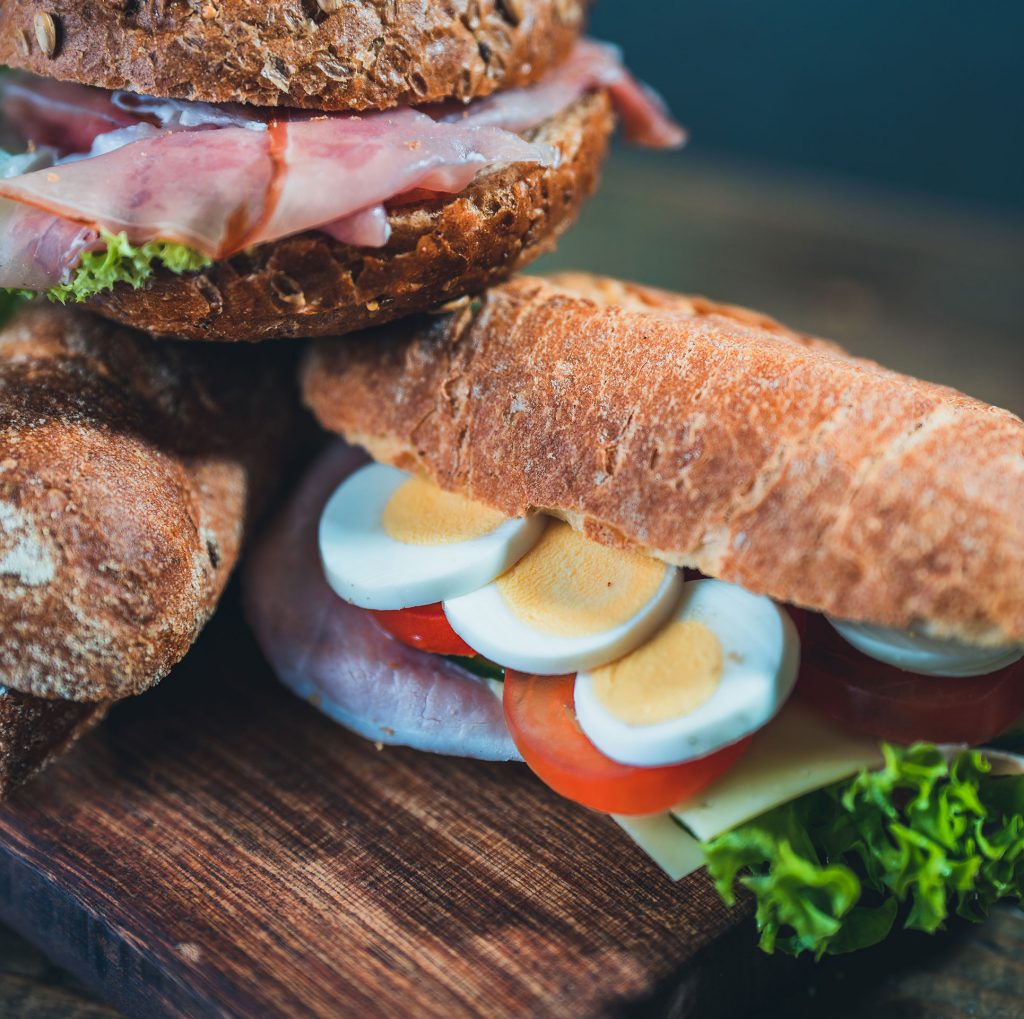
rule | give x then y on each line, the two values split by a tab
420	513
569	586
668	677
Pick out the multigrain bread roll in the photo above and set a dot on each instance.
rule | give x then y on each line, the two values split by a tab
130	471
317	54
313	285
707	436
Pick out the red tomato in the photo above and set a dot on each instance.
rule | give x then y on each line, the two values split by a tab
424	627
904	706
541	716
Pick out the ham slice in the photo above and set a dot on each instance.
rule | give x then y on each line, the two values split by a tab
366	229
60	114
35	242
335	656
204	189
220	179
70	117
334	166
645	118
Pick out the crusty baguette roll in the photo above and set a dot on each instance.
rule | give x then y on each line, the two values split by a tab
129	470
313	285
318	54
707	436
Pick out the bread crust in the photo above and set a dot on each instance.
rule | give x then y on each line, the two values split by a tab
315	54
708	437
129	471
313	285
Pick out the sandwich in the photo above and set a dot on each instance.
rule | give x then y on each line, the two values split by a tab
759	600
239	171
130	473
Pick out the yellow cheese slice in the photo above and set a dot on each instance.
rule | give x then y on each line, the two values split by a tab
662	838
798	752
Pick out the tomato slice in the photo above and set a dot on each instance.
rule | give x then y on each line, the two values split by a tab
887	702
424	627
541	716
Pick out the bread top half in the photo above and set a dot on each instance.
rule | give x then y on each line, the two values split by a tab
314	54
707	436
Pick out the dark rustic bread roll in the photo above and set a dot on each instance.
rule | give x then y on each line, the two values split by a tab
707	436
129	471
317	54
313	285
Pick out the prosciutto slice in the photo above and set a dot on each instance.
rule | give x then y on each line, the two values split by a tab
70	117
204	189
645	118
35	242
378	156
220	179
335	656
63	115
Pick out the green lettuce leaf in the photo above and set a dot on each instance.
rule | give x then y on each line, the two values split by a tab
123	262
919	841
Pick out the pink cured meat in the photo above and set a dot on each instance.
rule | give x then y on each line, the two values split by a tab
70	117
645	118
204	189
219	179
201	188
34	242
369	228
60	114
334	654
333	167
224	189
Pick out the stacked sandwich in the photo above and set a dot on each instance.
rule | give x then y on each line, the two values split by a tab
235	171
759	600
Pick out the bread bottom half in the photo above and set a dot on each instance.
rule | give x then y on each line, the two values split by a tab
313	285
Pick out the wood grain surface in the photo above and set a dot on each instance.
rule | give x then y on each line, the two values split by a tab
220	848
929	290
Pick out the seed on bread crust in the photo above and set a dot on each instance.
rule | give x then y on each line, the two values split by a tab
46	33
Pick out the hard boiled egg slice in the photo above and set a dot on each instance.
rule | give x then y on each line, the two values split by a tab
913	653
568	604
389	540
717	671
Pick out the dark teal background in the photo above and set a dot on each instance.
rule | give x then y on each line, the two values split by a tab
921	95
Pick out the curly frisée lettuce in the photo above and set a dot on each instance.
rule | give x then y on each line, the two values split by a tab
123	262
919	841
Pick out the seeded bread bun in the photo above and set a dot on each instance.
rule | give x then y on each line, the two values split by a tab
316	54
707	436
313	285
129	471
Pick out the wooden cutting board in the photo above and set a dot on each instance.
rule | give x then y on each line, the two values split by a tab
219	848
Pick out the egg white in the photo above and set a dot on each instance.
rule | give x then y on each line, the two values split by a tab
761	657
913	653
366	566
485	622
